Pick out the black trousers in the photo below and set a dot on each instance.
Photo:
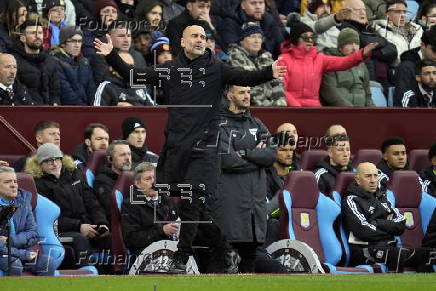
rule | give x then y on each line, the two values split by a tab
396	259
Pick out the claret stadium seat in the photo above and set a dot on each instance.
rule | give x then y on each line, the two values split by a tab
418	159
96	160
367	155
310	158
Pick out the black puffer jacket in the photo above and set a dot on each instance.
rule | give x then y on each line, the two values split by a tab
39	73
326	175
140	155
365	216
78	202
103	185
137	220
239	205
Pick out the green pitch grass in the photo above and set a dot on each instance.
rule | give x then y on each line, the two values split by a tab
385	282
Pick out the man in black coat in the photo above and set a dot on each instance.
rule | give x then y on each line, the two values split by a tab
135	133
193	83
422	91
406	71
239	205
119	159
12	92
36	69
372	224
394	159
96	137
338	160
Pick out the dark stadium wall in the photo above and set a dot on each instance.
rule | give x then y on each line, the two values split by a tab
366	127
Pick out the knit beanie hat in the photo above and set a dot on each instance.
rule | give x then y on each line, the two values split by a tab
160	45
347	36
297	28
249	29
69	31
104	3
49	4
48	151
130	124
316	3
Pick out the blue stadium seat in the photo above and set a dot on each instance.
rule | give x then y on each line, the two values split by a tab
377	95
304	211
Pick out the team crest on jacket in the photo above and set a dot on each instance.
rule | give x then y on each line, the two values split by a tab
371	209
253	131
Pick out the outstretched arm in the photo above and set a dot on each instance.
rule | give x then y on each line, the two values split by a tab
236	76
147	75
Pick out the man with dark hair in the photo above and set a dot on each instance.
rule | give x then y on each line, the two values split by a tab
195	10
135	133
96	137
37	70
338	160
428	174
12	92
404	34
405	73
422	94
189	156
373	224
46	131
240	201
394	158
119	159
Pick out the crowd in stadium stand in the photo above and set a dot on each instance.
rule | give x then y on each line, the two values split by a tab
49	56
331	53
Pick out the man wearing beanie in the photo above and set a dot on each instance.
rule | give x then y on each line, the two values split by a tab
162	49
231	27
82	216
135	133
75	73
306	65
249	55
428	174
190	154
350	87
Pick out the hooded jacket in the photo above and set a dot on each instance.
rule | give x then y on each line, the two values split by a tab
305	70
39	73
239	205
77	82
267	94
326	175
187	126
346	88
365	218
325	29
25	235
78	202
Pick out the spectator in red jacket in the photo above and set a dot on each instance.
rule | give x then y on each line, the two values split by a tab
306	66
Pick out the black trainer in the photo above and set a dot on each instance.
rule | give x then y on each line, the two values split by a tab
177	266
231	262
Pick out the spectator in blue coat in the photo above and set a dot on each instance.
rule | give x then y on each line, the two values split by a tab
75	73
23	235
